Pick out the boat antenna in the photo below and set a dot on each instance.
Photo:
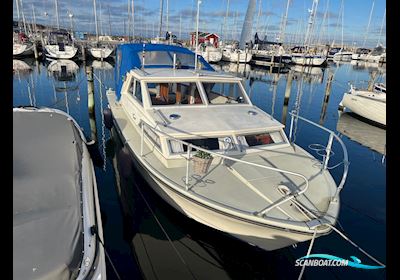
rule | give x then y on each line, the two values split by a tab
143	54
197	33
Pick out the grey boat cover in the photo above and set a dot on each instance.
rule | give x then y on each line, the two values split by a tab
47	222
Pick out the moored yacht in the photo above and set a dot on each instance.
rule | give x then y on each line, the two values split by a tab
210	153
21	45
370	104
60	45
231	54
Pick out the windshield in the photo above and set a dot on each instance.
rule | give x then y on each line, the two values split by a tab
184	93
224	93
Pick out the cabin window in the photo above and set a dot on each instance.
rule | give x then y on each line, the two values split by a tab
224	93
261	139
221	143
135	90
174	94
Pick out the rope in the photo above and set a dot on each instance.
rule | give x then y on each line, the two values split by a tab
108	257
355	245
308	253
342	235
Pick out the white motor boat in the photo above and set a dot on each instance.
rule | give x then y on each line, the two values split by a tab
60	46
342	55
56	214
360	54
377	55
202	145
236	55
365	103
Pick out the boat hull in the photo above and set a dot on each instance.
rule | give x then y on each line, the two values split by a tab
240	57
53	51
309	60
365	107
212	56
265	235
22	49
100	53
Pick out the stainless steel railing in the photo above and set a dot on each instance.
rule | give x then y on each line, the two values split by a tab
328	150
225	157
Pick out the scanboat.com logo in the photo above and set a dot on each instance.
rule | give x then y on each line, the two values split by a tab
329	260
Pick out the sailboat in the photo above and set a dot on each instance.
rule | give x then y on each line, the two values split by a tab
99	50
239	53
21	44
302	55
342	54
59	43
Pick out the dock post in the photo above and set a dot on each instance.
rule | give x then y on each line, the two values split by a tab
91	104
326	98
83	52
287	95
35	51
89	73
371	81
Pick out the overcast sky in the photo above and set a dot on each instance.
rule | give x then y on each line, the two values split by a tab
182	17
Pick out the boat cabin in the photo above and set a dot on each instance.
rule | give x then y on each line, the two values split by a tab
204	108
59	38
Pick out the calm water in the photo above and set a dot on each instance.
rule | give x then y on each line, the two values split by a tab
146	238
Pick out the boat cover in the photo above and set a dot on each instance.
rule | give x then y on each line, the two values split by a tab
47	216
130	56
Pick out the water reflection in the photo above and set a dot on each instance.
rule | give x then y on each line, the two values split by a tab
63	69
359	130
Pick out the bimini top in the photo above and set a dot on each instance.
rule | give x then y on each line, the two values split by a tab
131	56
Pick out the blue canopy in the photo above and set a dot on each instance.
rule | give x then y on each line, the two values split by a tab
131	56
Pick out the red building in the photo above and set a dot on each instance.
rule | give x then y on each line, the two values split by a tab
204	37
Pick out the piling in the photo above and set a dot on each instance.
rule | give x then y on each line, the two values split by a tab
89	73
287	96
326	98
371	81
91	104
83	52
35	51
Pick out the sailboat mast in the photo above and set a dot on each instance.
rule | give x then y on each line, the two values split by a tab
133	20
161	15
180	26
197	32
258	15
34	18
310	22
282	35
167	15
57	15
23	17
95	20
369	22
109	20
342	23
380	32
226	15
19	26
